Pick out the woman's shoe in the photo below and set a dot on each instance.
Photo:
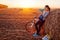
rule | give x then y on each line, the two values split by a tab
35	34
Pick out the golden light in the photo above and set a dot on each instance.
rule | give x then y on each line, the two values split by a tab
26	10
26	3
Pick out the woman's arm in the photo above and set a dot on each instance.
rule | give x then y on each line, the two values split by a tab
45	14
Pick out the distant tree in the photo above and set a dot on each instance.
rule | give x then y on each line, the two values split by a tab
3	6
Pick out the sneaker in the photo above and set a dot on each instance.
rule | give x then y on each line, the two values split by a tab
35	34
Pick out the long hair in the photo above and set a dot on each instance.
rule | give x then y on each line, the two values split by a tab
47	7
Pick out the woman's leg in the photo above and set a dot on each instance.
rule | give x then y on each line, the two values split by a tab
40	25
36	26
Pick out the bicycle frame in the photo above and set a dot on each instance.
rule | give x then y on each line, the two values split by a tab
34	21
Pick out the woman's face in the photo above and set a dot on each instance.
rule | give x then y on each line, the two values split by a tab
46	8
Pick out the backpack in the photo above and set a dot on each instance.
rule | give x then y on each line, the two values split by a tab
41	17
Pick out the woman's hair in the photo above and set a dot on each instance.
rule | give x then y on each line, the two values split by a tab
47	7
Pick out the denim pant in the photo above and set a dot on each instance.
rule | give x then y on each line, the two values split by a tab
38	25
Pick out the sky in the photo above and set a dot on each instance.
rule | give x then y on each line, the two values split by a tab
31	3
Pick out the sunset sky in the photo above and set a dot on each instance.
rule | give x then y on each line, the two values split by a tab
31	3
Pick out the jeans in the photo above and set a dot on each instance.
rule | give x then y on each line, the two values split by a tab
38	25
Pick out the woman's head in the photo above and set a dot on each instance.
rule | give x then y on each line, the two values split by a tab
47	8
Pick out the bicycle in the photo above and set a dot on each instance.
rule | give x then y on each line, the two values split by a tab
30	26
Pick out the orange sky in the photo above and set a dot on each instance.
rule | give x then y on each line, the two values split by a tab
31	3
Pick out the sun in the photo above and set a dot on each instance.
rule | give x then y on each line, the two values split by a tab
26	3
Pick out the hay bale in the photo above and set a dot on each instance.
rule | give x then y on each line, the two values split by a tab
3	6
52	24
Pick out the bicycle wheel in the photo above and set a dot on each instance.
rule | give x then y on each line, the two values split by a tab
30	28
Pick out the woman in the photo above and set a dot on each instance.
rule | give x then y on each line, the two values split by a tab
41	21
